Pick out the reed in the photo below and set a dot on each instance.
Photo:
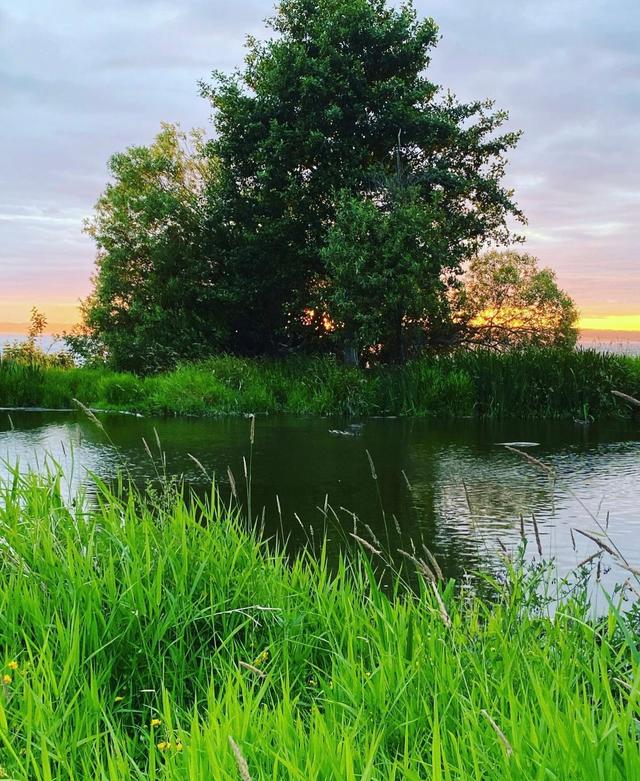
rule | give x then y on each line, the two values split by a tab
529	383
144	636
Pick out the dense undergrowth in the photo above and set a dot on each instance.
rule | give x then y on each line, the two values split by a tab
528	383
139	636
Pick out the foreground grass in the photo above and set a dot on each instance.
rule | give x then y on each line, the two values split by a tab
531	383
138	636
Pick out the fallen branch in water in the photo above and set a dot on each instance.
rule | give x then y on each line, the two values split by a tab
626	397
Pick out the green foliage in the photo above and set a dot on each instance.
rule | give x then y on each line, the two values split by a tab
543	383
221	249
507	301
154	299
139	634
384	266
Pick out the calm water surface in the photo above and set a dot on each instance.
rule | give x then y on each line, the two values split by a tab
452	485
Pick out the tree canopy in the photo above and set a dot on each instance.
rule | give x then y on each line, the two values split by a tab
155	292
507	301
315	114
334	207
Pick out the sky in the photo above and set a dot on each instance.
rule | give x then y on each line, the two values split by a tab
80	81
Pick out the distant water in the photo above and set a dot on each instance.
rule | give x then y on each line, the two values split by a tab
623	342
47	342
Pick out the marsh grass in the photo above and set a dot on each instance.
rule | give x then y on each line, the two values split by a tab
154	636
530	383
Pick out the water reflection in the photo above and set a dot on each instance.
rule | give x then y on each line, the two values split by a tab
450	485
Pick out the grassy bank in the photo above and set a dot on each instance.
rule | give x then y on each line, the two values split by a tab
138	637
532	383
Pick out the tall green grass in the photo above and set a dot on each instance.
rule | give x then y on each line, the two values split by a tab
155	638
530	383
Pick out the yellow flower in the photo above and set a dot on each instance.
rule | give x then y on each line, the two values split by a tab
156	722
118	699
262	658
179	746
13	665
6	679
163	745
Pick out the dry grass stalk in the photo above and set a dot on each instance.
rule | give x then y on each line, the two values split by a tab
199	465
371	465
89	414
589	559
241	762
373	537
433	561
503	738
443	610
598	542
147	450
420	565
550	470
366	544
251	668
232	483
537	533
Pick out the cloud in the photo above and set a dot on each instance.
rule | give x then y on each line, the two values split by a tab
80	81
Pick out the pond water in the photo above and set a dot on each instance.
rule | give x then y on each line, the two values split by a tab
452	485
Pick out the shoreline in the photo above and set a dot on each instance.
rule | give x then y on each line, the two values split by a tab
534	383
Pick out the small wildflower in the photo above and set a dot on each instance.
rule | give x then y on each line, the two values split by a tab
13	665
179	746
156	722
163	745
6	679
312	681
118	699
261	658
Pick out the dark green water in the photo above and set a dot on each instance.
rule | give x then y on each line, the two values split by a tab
450	484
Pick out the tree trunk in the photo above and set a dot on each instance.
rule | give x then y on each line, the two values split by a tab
350	351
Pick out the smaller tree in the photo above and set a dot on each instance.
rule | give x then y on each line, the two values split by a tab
507	301
155	299
383	264
29	351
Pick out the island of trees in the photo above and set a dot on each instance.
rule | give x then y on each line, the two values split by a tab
342	203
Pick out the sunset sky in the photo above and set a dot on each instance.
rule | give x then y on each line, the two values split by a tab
81	81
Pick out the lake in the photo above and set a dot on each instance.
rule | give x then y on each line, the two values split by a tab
452	485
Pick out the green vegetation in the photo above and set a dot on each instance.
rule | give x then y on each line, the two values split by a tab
542	383
226	244
140	635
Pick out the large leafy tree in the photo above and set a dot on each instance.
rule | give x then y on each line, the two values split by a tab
316	111
156	297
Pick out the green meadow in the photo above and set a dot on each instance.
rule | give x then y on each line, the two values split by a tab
154	636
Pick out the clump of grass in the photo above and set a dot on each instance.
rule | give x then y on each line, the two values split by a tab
530	383
151	637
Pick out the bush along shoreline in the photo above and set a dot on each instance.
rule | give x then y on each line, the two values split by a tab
531	383
144	636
